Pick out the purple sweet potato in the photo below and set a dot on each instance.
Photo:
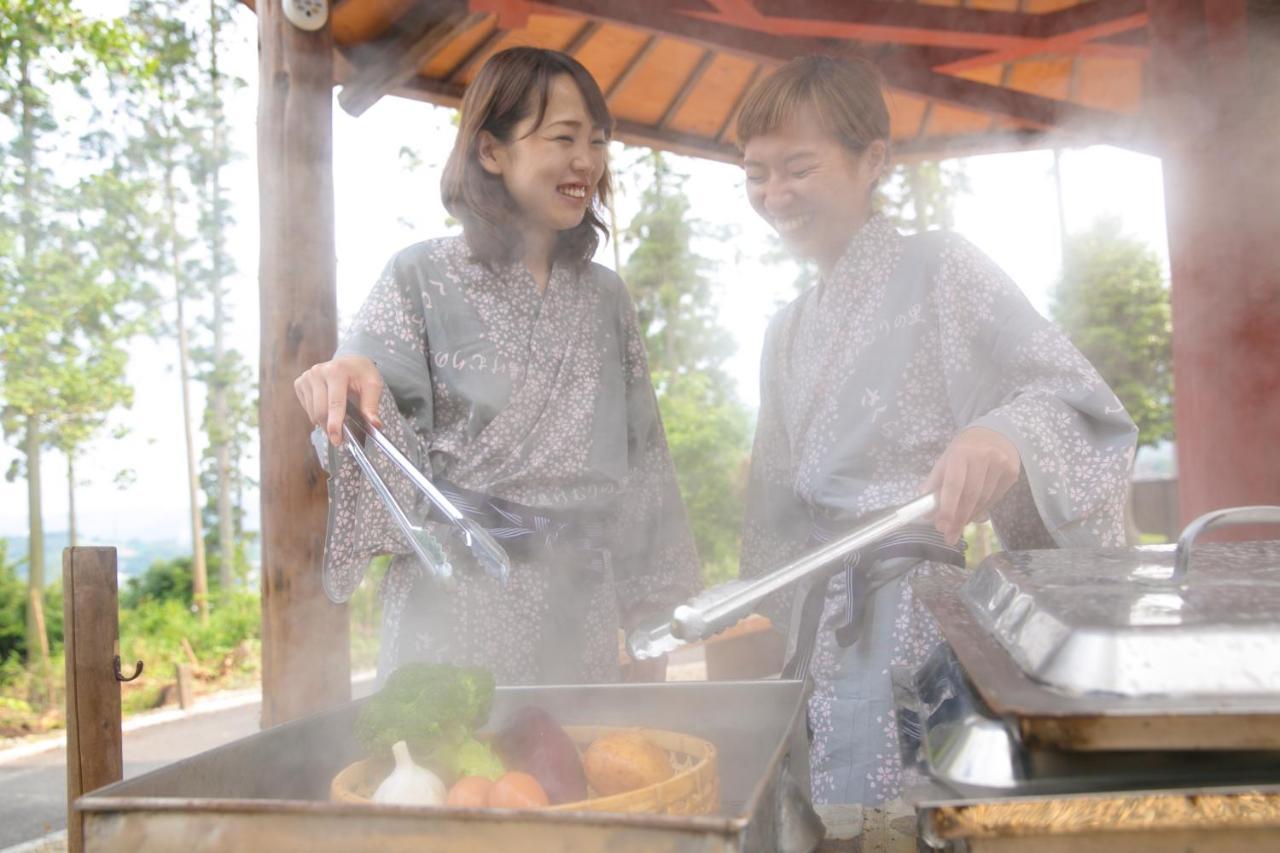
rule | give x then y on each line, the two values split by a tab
533	742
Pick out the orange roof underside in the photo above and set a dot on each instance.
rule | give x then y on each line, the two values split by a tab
983	75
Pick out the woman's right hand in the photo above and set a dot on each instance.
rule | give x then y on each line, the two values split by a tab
324	388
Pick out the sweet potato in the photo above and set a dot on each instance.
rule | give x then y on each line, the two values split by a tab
624	761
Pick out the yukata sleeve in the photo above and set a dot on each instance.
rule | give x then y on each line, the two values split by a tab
655	563
389	330
777	526
1012	371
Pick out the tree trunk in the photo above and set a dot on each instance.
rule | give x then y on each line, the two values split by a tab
221	428
37	643
199	575
25	146
71	499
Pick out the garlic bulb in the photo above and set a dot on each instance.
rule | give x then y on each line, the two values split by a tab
409	784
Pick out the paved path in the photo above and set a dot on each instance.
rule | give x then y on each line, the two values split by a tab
33	785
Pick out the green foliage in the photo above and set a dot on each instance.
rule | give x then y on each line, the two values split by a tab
13	604
1113	302
164	580
667	278
65	300
154	630
708	433
707	426
434	707
13	613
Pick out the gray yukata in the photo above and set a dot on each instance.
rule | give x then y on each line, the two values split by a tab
865	380
539	399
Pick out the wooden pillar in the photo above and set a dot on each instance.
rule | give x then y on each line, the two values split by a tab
305	653
1215	96
91	632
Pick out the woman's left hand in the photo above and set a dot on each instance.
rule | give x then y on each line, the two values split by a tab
973	474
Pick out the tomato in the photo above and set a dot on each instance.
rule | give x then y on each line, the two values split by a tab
516	790
469	792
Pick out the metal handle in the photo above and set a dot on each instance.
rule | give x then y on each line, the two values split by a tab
1230	517
436	564
721	607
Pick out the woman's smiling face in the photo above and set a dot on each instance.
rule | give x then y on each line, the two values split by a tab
552	169
812	189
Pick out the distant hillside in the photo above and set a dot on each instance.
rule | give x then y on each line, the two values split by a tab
134	555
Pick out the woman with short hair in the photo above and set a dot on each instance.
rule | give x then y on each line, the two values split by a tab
914	365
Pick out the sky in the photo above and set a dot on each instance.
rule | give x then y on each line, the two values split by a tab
384	204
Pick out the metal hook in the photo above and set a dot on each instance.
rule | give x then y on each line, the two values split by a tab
120	676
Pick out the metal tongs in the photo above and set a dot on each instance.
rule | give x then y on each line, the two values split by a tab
722	606
482	545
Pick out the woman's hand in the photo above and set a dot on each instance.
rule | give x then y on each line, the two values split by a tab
973	474
323	390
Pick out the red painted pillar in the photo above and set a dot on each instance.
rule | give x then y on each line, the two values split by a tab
1214	95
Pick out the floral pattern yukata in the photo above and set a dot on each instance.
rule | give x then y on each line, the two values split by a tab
866	378
539	399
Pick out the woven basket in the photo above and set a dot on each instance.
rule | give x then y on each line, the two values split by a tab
693	790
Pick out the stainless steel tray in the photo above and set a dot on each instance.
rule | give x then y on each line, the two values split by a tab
1050	716
1119	622
270	791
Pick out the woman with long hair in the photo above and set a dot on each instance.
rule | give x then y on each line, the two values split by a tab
510	369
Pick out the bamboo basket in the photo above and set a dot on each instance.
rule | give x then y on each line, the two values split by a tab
694	789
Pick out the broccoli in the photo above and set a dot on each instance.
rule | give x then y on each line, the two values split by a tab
434	707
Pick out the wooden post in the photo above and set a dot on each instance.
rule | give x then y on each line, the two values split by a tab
1214	78
182	676
305	650
91	642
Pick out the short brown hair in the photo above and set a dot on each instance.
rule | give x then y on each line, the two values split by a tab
845	93
512	85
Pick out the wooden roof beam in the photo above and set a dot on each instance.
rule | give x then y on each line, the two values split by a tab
904	73
1076	41
953	20
943	26
399	60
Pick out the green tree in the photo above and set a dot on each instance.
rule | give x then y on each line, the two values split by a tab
51	57
1113	302
921	196
667	278
164	140
230	406
707	427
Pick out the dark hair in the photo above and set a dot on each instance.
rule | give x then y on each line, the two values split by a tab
845	94
512	85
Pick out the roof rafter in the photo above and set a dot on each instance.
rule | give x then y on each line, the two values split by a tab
406	54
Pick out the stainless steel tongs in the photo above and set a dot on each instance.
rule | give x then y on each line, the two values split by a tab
720	607
426	547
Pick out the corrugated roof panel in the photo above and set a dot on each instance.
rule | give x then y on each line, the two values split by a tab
1111	84
609	52
707	108
657	81
459	49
